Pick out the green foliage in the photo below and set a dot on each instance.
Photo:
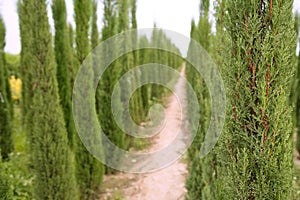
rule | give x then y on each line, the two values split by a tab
296	184
296	86
19	167
125	63
89	171
5	189
255	152
123	15
202	172
13	64
52	160
12	60
133	14
75	62
153	93
83	12
116	19
136	99
5	103
253	159
64	60
144	58
26	60
20	177
108	80
95	33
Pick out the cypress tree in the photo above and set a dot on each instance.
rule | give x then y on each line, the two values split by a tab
95	33
26	61
295	92
194	183
51	157
155	59
109	79
8	91
255	150
5	106
133	14
64	60
124	64
153	92
7	77
143	59
136	99
201	172
74	62
89	171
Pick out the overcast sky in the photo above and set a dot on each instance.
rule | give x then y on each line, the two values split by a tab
174	15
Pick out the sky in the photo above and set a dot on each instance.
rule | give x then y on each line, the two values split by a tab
175	15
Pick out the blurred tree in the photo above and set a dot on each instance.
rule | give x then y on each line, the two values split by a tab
199	182
89	171
6	142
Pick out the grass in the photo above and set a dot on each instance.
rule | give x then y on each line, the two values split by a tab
20	175
296	184
19	135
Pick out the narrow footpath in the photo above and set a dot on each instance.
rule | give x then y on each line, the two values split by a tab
165	184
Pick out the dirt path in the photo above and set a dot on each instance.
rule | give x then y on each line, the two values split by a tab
296	153
165	184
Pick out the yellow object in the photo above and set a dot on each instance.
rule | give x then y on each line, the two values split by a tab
15	87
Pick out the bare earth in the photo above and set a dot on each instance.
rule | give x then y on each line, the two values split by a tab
296	153
165	184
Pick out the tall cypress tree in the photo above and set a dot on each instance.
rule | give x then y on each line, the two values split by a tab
124	63
194	182
26	61
74	62
255	151
154	89
136	99
199	182
296	86
89	171
95	33
51	157
6	143
8	90
109	79
110	76
64	60
143	59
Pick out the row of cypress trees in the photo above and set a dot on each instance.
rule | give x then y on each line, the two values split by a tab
89	171
254	48
200	186
115	21
63	167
